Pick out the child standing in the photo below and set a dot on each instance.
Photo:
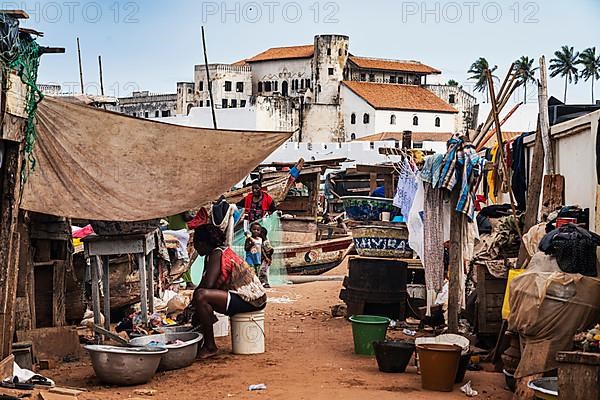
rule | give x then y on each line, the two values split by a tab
267	258
253	247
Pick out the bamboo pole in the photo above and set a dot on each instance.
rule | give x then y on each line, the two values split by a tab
101	78
502	164
80	67
544	118
208	83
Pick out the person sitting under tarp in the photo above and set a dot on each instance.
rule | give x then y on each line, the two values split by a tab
228	286
258	203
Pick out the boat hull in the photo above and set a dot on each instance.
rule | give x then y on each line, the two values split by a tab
313	258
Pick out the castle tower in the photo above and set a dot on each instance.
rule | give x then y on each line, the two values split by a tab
185	97
329	60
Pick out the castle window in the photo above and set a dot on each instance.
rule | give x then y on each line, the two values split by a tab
242	103
267	86
156	114
393	120
318	88
201	85
400	79
233	103
189	90
329	51
353	136
201	104
239	87
228	86
415	120
366	118
339	52
224	103
302	83
437	121
260	86
353	119
330	71
134	114
393	79
363	77
307	83
207	103
146	114
275	86
371	77
452	99
372	145
166	113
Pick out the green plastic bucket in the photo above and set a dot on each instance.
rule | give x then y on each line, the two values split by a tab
367	329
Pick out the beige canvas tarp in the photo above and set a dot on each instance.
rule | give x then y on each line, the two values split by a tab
94	164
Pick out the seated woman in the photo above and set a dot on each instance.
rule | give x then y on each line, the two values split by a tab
229	286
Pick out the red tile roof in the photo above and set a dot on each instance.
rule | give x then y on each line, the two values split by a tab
386	96
393	65
416	137
506	136
240	63
283	53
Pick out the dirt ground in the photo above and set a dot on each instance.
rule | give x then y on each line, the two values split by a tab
309	356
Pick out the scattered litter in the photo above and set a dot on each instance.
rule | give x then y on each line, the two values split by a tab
468	390
259	386
393	324
144	392
408	332
280	300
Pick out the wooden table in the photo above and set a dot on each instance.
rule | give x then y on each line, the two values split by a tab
98	248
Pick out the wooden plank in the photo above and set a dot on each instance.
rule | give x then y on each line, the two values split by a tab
10	187
377	169
19	14
534	189
6	367
106	288
143	288
389	186
456	262
52	343
544	118
553	195
58	297
13	128
372	183
578	357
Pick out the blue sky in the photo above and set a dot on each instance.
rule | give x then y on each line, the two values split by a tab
151	44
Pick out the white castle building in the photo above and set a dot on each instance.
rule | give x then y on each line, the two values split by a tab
325	94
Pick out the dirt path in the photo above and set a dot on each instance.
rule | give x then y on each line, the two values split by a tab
309	356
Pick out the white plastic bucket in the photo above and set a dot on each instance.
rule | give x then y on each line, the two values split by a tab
221	327
248	333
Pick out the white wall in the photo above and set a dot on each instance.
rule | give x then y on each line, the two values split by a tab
522	120
322	124
404	121
351	103
230	118
219	74
279	70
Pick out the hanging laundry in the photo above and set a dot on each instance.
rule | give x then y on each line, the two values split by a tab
433	241
492	176
406	188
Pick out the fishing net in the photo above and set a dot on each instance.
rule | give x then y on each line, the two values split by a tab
21	53
277	271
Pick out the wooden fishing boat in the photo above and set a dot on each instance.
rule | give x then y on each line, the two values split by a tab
277	185
313	258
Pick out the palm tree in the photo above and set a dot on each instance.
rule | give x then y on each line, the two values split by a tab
452	82
564	65
478	70
591	66
525	72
